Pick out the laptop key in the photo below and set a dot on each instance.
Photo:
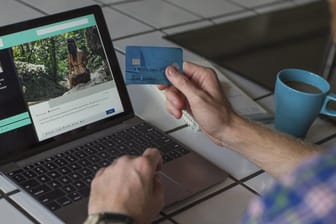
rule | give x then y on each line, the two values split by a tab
54	184
167	158
85	162
105	163
95	168
43	178
18	178
94	159
53	206
60	162
53	174
64	201
51	196
175	154
29	184
39	190
85	192
85	172
75	166
74	196
80	154
71	158
103	155
74	175
40	170
64	179
90	150
50	166
79	184
88	180
182	150
29	174
69	188
15	172
64	170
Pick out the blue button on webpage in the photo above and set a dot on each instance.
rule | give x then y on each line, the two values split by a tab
110	111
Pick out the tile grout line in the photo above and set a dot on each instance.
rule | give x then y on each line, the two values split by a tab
201	19
253	8
184	24
132	17
243	181
176	129
278	3
100	2
236	182
164	218
230	14
263	96
326	139
184	9
161	30
120	2
134	35
32	7
17	206
198	201
250	189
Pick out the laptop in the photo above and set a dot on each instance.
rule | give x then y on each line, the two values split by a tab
65	113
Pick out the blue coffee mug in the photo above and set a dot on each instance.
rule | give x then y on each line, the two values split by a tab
297	108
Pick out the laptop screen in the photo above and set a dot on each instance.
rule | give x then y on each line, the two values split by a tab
56	78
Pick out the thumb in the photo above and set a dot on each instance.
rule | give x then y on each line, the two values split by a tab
181	82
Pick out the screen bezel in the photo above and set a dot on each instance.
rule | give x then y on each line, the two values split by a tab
116	71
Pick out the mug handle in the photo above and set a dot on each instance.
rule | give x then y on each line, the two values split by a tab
324	109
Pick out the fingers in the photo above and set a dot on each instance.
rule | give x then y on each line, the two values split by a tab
162	87
148	164
158	191
154	157
192	70
175	97
100	172
181	82
188	68
175	102
171	108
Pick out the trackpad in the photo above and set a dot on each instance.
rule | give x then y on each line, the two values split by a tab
173	191
194	173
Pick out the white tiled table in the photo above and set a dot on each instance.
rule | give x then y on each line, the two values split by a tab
145	22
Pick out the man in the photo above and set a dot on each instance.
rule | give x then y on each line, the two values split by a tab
130	187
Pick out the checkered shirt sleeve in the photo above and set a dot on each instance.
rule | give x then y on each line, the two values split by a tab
306	196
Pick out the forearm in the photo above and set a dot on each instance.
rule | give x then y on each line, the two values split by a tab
277	154
200	92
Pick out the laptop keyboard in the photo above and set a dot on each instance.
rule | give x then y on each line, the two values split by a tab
65	178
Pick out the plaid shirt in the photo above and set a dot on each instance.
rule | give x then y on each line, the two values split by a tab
305	197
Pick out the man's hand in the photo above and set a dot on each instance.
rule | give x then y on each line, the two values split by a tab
199	92
130	186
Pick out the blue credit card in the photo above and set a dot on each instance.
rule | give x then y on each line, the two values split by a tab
146	65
